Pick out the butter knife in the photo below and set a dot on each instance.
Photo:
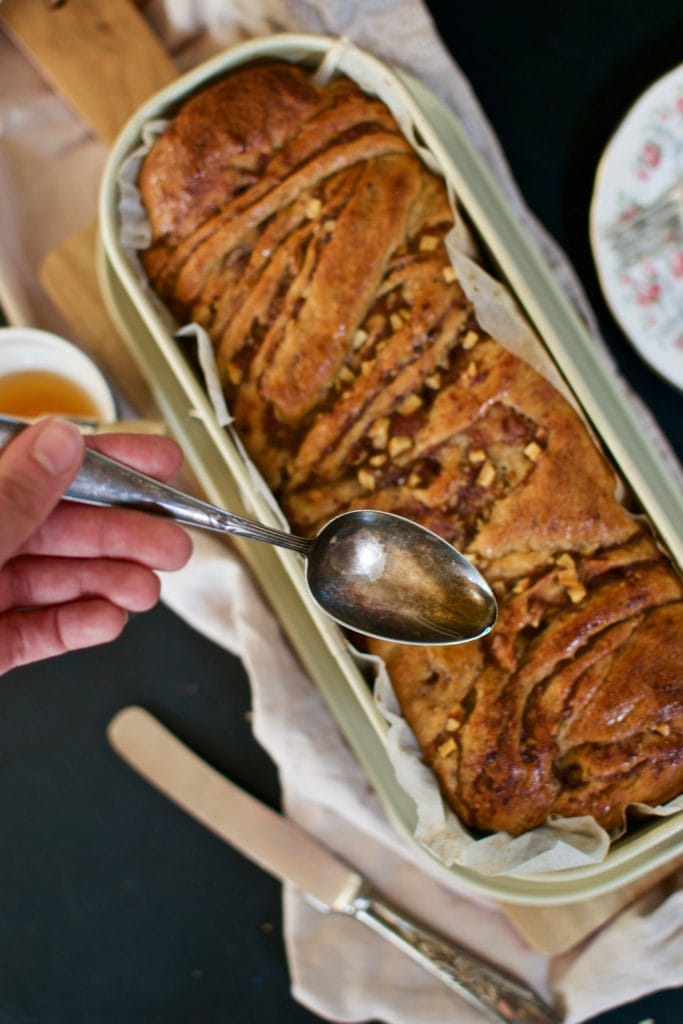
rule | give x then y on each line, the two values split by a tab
286	851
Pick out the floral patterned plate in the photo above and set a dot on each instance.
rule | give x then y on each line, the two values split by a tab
643	159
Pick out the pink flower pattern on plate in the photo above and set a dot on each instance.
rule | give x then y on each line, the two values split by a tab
643	159
653	289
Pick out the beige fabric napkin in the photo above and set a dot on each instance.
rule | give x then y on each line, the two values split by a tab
49	173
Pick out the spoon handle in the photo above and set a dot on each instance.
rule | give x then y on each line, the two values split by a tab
104	481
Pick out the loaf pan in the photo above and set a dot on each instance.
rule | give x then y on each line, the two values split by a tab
226	477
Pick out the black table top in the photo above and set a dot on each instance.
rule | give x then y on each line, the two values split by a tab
115	906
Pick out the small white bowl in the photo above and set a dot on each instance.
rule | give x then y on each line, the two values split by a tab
24	350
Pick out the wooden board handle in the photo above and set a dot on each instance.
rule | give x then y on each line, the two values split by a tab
102	57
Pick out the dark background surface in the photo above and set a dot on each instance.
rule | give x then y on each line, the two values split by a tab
115	906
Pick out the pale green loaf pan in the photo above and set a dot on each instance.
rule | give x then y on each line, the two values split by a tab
226	478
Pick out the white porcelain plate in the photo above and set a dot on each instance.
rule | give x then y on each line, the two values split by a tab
642	160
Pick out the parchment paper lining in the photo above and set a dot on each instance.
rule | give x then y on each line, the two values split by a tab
561	843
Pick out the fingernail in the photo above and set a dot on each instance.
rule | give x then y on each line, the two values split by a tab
58	447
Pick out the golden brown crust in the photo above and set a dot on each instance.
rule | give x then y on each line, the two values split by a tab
295	223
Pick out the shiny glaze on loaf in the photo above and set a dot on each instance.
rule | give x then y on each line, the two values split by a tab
295	223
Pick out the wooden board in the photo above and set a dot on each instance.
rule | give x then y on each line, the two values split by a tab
106	61
69	277
102	57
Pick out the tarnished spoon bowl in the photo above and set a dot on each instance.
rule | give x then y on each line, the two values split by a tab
385	576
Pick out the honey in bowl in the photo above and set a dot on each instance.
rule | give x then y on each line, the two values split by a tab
31	393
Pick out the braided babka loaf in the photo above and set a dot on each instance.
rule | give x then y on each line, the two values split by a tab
295	223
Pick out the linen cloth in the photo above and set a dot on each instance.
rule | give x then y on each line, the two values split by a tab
49	174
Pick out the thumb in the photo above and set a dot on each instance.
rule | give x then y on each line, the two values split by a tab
35	470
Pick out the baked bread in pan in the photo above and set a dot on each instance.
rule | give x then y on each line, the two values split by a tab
296	224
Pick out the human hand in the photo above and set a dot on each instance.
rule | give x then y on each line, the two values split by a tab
70	573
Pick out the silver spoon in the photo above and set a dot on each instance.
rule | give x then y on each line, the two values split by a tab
375	573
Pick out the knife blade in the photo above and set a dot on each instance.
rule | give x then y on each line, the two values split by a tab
283	849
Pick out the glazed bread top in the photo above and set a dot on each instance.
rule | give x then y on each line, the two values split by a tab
295	223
